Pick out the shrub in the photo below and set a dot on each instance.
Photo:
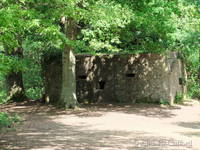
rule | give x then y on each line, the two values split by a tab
193	87
178	98
164	102
7	121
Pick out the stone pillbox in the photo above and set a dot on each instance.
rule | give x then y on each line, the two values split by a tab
120	78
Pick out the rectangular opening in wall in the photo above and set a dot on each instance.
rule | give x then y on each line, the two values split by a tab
130	75
102	85
82	77
180	81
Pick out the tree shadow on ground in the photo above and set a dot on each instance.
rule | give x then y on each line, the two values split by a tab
93	110
148	110
44	133
191	134
191	125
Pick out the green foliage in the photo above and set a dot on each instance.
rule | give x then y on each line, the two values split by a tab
178	98
34	93
189	37
193	65
193	87
3	94
164	102
11	63
7	120
105	26
32	77
3	97
101	32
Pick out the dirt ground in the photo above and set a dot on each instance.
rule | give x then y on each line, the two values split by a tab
104	127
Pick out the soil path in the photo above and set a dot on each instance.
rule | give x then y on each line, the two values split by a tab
104	127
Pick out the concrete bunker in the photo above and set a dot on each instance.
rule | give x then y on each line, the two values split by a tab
123	78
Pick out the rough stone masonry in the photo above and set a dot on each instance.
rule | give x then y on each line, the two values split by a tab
124	78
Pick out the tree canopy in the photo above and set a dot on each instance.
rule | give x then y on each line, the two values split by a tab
103	26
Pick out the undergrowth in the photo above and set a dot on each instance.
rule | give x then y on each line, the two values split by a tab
8	121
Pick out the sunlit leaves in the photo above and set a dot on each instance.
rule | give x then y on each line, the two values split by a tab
9	63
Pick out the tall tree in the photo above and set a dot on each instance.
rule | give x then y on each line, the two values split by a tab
11	25
68	91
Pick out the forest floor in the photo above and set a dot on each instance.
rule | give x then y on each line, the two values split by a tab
104	127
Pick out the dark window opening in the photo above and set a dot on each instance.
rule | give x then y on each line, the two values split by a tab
83	77
130	75
102	85
180	81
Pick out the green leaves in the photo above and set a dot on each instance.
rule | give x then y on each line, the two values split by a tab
8	120
11	63
104	23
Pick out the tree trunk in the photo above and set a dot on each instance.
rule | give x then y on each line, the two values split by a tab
15	87
68	90
184	74
14	80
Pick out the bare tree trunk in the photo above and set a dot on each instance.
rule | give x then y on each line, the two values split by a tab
68	92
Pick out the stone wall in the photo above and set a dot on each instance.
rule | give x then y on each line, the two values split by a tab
121	78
